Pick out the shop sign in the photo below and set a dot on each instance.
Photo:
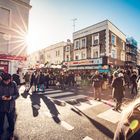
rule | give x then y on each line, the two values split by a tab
13	57
4	62
85	62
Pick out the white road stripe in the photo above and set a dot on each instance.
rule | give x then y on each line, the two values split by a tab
59	94
72	97
88	104
50	91
87	138
110	115
66	125
48	114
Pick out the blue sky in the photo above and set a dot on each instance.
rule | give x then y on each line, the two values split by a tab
50	21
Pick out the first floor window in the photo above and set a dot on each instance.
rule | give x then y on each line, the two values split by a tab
76	57
67	58
83	55
113	54
95	54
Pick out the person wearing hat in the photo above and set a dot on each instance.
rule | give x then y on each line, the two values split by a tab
8	94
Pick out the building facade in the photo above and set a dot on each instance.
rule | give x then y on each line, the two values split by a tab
54	54
13	29
98	47
51	56
131	52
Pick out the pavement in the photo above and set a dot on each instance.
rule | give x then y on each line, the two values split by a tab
71	114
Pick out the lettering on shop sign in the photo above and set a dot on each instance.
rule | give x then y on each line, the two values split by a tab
86	62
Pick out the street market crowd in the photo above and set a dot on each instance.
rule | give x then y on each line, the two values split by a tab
39	80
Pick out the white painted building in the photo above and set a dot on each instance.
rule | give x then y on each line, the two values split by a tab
54	54
13	29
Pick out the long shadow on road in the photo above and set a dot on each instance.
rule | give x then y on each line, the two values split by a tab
35	100
97	124
52	108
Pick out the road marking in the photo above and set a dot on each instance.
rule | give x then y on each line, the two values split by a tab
48	114
73	97
110	115
59	94
88	104
87	138
66	125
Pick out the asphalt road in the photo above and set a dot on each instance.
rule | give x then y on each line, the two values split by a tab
65	115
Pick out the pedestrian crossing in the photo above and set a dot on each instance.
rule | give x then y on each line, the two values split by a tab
107	115
83	105
67	96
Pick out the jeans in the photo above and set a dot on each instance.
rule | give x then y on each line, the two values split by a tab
11	121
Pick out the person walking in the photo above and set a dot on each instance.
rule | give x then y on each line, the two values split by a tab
27	80
97	81
134	83
118	90
8	94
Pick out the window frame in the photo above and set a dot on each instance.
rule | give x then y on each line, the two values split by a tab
9	18
94	39
113	43
75	44
81	42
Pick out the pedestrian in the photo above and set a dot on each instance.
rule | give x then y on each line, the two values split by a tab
118	90
8	94
16	78
97	81
128	127
133	79
27	80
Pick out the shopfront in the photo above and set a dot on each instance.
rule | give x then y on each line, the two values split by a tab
99	64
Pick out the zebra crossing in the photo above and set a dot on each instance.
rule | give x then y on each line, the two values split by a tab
80	110
67	96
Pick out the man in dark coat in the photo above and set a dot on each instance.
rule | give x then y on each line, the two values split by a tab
8	94
118	91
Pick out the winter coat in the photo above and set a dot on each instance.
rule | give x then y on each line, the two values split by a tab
118	86
8	90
